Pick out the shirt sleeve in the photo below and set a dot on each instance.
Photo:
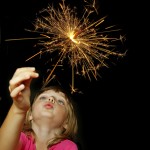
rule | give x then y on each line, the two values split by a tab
26	143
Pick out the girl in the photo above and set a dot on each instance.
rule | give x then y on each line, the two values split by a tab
49	124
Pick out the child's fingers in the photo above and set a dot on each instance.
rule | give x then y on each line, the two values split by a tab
15	92
20	78
24	69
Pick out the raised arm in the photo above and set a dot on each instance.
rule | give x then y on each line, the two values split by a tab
19	87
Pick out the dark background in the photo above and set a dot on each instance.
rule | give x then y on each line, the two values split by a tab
108	108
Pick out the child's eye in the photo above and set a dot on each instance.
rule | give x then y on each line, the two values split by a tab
42	98
61	102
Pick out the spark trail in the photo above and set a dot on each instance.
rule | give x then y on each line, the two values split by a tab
75	40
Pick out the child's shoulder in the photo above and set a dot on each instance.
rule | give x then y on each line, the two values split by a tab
65	145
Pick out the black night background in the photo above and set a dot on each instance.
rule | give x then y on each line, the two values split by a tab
107	107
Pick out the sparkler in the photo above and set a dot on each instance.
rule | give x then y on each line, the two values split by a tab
75	40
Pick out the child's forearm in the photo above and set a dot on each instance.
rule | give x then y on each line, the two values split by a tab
11	129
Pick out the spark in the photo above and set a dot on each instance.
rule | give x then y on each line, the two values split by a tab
77	40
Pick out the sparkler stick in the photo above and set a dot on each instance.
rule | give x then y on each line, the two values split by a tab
78	40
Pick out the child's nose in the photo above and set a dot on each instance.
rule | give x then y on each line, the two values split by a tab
51	99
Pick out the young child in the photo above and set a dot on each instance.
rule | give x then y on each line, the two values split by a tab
49	124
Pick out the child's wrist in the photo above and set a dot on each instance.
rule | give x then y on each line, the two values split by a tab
17	110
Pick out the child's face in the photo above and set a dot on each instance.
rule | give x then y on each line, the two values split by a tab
50	105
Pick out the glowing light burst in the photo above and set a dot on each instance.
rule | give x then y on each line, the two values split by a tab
77	41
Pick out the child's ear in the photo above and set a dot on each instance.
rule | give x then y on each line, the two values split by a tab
30	117
65	125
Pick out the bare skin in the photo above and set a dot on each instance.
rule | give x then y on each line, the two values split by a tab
46	122
19	87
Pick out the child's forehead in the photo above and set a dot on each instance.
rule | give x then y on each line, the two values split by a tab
53	92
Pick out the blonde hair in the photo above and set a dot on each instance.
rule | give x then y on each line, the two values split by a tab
72	123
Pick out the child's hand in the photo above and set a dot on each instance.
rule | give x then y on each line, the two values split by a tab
19	87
